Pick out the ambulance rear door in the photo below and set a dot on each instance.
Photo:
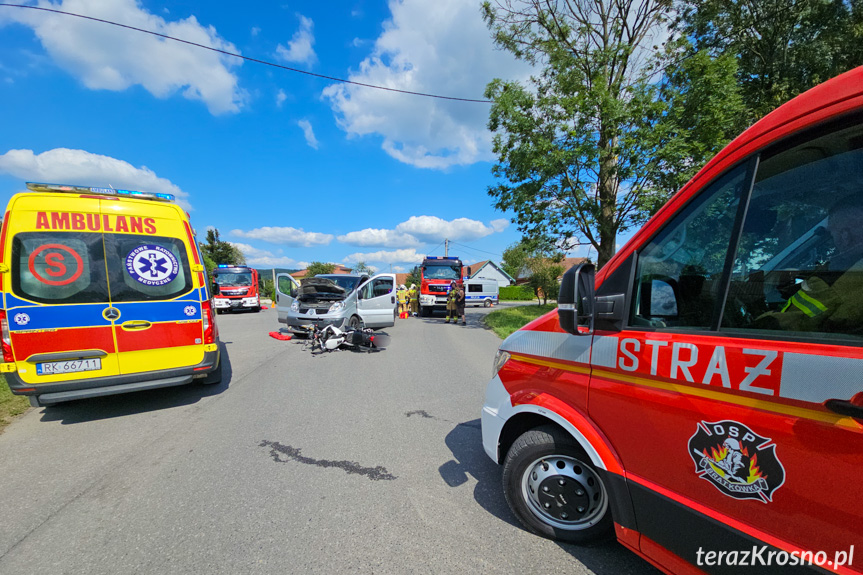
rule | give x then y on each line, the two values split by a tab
149	261
56	292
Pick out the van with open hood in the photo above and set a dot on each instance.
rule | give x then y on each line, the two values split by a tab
336	299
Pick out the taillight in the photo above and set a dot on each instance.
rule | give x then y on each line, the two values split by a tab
211	330
7	338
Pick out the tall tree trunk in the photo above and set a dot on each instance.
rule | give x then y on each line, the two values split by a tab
607	192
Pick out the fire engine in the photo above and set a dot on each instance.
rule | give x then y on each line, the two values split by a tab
700	397
436	275
237	288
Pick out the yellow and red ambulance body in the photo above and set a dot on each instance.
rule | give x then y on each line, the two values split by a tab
104	292
678	396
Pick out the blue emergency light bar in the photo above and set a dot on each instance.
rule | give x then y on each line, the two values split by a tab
441	258
35	187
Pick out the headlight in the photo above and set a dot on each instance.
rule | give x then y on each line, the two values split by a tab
337	306
295	305
500	358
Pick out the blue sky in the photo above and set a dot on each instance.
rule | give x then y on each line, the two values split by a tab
290	167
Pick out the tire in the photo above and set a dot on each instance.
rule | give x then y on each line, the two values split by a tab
355	322
34	401
425	311
256	309
219	311
215	376
486	303
554	490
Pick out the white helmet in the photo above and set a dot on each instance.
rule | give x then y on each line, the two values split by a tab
731	444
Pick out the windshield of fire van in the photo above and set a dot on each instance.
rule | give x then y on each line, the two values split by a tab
233	279
440	273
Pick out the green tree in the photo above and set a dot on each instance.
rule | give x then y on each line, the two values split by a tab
219	251
318	268
514	261
362	268
414	277
577	146
782	47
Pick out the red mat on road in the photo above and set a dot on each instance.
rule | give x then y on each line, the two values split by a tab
281	336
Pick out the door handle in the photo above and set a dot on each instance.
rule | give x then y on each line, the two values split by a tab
392	299
136	325
851	407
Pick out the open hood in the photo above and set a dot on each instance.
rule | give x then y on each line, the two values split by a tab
320	286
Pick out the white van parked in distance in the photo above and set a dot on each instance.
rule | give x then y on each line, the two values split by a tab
481	291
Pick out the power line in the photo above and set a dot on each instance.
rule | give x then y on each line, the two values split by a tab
246	58
476	249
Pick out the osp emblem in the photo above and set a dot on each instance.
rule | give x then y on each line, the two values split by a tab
736	460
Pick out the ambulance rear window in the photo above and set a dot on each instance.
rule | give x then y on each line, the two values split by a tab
147	268
59	267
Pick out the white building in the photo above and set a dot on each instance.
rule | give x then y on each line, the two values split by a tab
490	270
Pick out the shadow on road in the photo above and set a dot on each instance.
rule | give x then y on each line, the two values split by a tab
469	459
111	406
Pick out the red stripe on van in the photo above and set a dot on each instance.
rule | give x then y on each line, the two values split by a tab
160	335
71	339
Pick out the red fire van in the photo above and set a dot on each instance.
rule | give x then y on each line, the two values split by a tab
701	396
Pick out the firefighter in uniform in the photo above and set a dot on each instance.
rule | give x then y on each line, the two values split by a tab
459	304
414	297
403	299
450	303
830	307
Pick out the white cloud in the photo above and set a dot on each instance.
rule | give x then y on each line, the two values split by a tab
440	47
300	48
387	257
255	31
379	238
265	258
78	167
432	228
309	133
106	57
286	236
499	225
280	98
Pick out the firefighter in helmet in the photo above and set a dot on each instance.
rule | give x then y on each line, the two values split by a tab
450	303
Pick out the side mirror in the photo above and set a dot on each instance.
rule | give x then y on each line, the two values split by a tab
576	300
216	289
469	273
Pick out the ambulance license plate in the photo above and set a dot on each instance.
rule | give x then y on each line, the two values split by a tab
55	367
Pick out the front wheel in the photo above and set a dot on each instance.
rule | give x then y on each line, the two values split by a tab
554	490
355	323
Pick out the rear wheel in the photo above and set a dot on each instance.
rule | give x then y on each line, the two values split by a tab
487	303
554	490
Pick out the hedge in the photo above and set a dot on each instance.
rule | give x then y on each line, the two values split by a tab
516	293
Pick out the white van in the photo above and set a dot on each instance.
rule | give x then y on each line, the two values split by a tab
481	291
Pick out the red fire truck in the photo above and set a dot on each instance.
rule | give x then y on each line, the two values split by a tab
701	396
237	288
436	274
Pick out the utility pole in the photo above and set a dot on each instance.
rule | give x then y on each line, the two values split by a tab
445	248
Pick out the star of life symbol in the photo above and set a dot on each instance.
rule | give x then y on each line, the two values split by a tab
21	318
190	310
152	265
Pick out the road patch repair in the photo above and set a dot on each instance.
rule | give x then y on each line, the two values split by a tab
285	453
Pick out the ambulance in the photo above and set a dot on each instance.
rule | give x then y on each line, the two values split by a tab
104	292
700	397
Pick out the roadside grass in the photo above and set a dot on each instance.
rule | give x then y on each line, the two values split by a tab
10	405
505	321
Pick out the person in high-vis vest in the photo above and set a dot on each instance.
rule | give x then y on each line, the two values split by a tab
402	296
818	304
450	303
459	304
414	297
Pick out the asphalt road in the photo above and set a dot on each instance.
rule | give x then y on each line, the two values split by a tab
343	462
